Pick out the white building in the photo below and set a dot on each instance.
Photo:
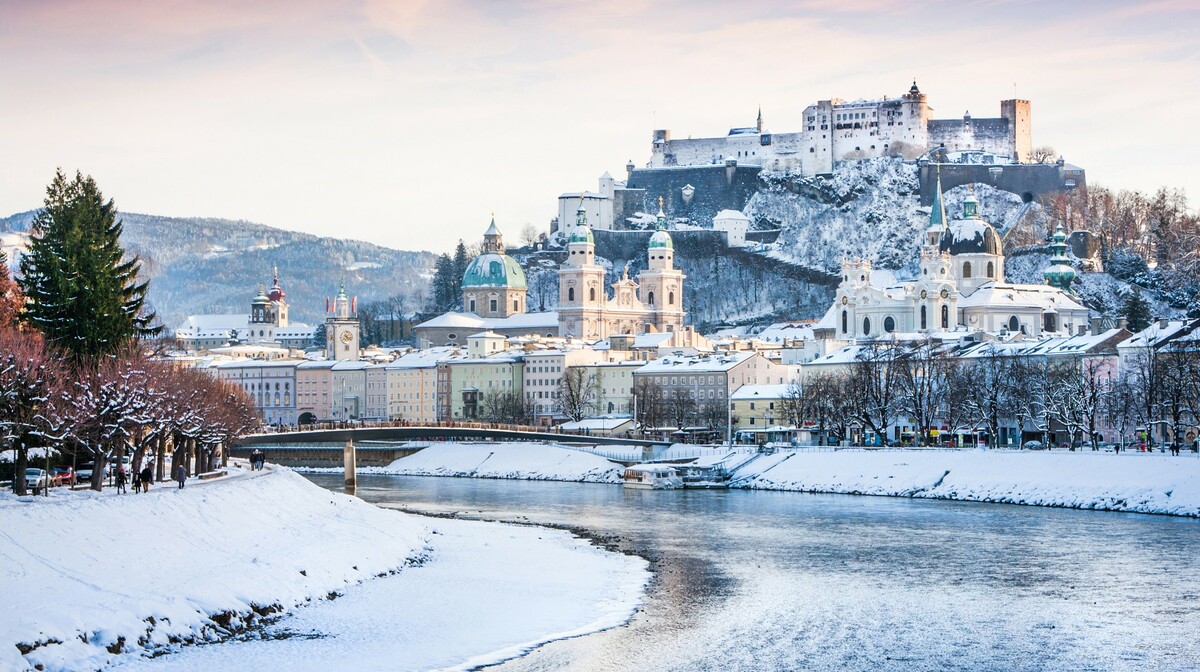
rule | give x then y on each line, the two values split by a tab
270	384
267	323
412	384
734	224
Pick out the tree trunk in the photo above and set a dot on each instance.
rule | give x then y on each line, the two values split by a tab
99	462
160	457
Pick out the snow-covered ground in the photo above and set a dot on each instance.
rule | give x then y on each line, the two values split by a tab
528	461
90	576
1137	482
1145	483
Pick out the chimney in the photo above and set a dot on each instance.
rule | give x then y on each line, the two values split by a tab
1122	323
1163	323
1096	325
1083	329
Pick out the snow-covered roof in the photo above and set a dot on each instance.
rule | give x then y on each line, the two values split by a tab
422	359
731	214
486	334
452	319
996	294
212	323
607	423
1157	333
698	364
584	194
651	340
349	365
753	392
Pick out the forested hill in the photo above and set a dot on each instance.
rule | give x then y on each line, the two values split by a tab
203	265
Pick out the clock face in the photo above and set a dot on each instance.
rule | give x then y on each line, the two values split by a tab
845	300
924	293
945	293
347	337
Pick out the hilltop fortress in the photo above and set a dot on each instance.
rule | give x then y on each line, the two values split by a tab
700	178
835	130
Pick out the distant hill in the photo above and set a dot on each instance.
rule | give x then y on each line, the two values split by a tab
204	265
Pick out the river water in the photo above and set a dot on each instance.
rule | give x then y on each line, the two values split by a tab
750	580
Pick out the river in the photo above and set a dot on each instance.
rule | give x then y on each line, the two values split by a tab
751	580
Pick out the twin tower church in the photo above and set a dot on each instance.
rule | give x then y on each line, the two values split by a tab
494	294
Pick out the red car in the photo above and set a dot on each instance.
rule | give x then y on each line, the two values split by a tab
64	475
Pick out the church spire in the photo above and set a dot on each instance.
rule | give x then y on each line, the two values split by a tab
760	121
661	223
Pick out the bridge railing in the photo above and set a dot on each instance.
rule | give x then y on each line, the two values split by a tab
440	424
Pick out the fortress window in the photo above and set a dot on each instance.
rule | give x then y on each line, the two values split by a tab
945	317
966	269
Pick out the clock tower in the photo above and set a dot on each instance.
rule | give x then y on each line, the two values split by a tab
341	329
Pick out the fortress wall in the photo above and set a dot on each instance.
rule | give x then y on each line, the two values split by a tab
991	135
1030	181
717	188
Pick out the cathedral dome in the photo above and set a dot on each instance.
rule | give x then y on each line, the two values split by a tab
276	294
494	270
661	239
971	234
262	297
581	234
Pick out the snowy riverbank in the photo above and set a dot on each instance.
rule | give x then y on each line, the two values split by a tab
93	580
525	461
1136	482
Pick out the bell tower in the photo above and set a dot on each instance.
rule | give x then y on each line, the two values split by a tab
661	284
342	329
581	294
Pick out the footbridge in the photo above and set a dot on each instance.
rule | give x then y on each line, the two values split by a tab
432	431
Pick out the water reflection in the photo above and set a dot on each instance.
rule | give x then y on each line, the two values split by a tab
762	580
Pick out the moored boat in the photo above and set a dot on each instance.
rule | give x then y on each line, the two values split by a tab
651	477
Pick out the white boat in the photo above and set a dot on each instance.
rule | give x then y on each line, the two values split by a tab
651	477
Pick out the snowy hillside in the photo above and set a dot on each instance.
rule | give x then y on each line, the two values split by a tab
203	265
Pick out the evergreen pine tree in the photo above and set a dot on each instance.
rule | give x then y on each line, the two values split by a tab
1136	310
444	283
461	261
83	291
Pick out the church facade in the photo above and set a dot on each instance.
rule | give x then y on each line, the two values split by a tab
266	324
960	285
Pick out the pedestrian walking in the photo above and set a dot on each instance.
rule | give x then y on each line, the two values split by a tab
262	459
181	475
147	478
121	480
137	481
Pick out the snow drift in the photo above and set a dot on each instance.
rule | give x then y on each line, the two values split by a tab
88	576
1133	482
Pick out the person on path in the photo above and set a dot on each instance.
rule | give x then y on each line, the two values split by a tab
121	480
137	481
181	475
147	478
262	459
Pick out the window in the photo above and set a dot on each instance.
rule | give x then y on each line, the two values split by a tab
650	298
945	317
671	298
1014	324
889	324
570	294
991	271
591	294
516	305
845	317
866	326
923	316
492	305
966	269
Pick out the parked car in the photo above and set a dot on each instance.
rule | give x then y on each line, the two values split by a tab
65	475
1034	445
37	479
84	473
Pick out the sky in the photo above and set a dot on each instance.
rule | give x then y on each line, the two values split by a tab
409	123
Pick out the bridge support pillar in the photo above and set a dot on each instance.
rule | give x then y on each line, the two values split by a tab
350	460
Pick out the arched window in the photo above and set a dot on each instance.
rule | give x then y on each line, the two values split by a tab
650	298
923	316
570	294
591	293
845	318
671	298
966	269
991	270
945	317
866	326
1014	324
889	324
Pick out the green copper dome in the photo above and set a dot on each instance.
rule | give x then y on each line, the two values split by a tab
661	239
494	270
1060	274
581	234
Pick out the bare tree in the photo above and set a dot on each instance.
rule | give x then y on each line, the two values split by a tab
650	400
578	391
874	379
1043	154
529	235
